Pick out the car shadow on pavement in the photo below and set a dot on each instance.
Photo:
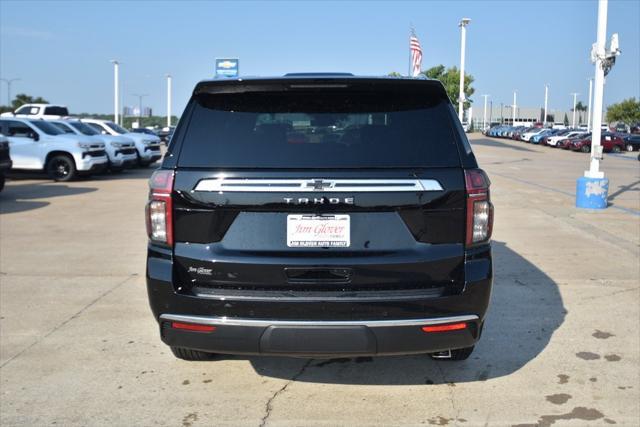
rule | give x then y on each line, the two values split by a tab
135	173
525	310
493	143
23	197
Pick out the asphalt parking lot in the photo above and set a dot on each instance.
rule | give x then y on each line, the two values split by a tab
78	344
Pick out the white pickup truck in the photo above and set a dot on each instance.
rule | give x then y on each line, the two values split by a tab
39	145
147	146
39	111
121	151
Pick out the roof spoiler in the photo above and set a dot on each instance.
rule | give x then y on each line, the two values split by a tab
319	74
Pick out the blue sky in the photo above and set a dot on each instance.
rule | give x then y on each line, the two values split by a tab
61	49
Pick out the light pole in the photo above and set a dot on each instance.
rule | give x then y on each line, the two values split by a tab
116	89
604	60
168	100
8	82
515	93
140	96
463	34
573	120
490	113
484	116
593	188
589	109
546	97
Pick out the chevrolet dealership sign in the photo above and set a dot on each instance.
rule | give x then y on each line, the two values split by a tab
227	67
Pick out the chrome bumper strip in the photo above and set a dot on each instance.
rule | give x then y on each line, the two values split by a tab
222	321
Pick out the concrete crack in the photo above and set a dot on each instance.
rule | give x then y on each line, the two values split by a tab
452	398
269	405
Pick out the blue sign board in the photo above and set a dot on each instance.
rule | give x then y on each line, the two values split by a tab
227	67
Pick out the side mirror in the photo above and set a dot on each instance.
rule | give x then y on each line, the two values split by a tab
34	136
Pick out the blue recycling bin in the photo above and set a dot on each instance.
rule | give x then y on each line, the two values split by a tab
592	193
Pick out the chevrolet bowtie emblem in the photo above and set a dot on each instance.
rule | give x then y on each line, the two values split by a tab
319	184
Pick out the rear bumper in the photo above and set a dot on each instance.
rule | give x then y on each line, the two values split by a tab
315	326
319	338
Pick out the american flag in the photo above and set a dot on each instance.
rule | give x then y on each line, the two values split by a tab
416	55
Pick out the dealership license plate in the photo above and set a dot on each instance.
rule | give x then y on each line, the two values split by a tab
311	231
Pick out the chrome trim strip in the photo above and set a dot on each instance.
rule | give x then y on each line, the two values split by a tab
221	321
223	184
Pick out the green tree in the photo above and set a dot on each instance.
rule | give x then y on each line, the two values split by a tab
627	111
580	108
450	78
566	120
23	98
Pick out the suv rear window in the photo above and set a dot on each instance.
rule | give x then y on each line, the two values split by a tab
320	129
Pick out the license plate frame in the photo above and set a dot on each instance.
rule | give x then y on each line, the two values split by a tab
318	231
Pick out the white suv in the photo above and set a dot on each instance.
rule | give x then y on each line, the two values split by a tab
147	146
121	151
528	135
553	140
39	111
39	145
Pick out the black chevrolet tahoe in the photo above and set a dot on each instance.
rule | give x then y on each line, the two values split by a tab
319	216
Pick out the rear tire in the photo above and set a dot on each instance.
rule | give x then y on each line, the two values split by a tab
585	149
191	355
61	168
629	147
458	354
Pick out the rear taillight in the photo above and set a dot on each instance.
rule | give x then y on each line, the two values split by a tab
479	207
160	207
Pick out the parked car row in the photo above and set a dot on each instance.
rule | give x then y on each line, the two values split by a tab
66	148
53	112
164	133
568	139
